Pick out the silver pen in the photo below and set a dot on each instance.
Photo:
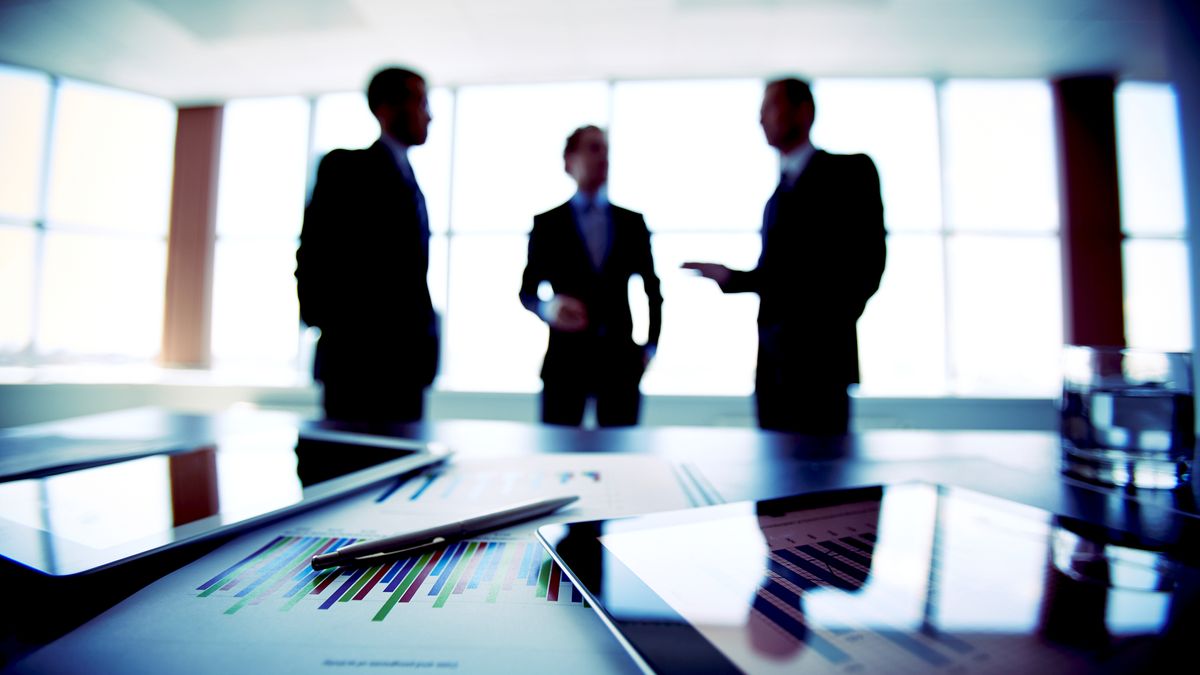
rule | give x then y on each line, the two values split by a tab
413	542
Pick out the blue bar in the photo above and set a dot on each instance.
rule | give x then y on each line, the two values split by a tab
826	577
428	481
489	552
448	558
343	588
332	547
391	490
803	582
451	559
396	575
835	562
523	573
288	555
852	556
237	564
495	565
799	630
853	542
304	581
535	568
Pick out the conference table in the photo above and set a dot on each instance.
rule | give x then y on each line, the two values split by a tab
715	464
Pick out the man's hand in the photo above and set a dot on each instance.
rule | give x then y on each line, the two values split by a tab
566	313
716	272
648	353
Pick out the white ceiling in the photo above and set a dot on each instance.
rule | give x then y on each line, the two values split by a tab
192	51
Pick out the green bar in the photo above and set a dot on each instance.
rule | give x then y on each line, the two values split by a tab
399	592
316	581
544	576
249	563
501	571
362	581
267	583
463	563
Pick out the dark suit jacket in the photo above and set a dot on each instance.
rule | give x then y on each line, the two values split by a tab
823	256
361	272
558	254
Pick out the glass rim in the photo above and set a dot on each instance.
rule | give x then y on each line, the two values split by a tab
1114	349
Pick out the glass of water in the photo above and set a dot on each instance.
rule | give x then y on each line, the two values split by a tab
1127	416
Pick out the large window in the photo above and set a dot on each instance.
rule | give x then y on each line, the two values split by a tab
1004	300
902	334
507	167
1157	299
23	123
970	302
260	203
83	220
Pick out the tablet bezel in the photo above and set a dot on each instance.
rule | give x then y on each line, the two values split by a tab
55	556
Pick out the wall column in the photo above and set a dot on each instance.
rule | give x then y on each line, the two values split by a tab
1093	291
187	325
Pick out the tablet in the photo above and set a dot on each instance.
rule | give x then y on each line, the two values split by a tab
909	578
86	518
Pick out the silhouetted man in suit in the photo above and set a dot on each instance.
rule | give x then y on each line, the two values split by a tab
822	257
587	249
362	262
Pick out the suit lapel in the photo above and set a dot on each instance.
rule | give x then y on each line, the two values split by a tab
573	239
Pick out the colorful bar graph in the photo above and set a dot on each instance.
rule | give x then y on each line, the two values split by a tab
279	575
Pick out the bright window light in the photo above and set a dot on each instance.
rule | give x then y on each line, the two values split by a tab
902	333
256	313
709	339
111	160
102	296
691	155
1001	173
1157	295
491	342
264	161
16	287
508	162
895	122
1148	159
23	119
1005	315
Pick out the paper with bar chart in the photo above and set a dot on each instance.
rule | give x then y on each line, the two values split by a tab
491	603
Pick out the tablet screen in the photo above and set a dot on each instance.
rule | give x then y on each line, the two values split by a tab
85	518
910	578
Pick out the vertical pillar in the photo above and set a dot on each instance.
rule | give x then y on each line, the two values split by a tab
187	327
1093	292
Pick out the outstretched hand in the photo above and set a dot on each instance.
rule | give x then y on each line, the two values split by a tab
715	271
567	313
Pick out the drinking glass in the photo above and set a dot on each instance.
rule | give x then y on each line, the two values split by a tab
1127	416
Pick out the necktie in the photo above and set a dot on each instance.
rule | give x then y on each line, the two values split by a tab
419	197
595	232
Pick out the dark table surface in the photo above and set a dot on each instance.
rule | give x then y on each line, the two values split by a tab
723	464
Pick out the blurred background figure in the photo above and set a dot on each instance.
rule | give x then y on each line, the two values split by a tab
362	262
587	250
823	254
